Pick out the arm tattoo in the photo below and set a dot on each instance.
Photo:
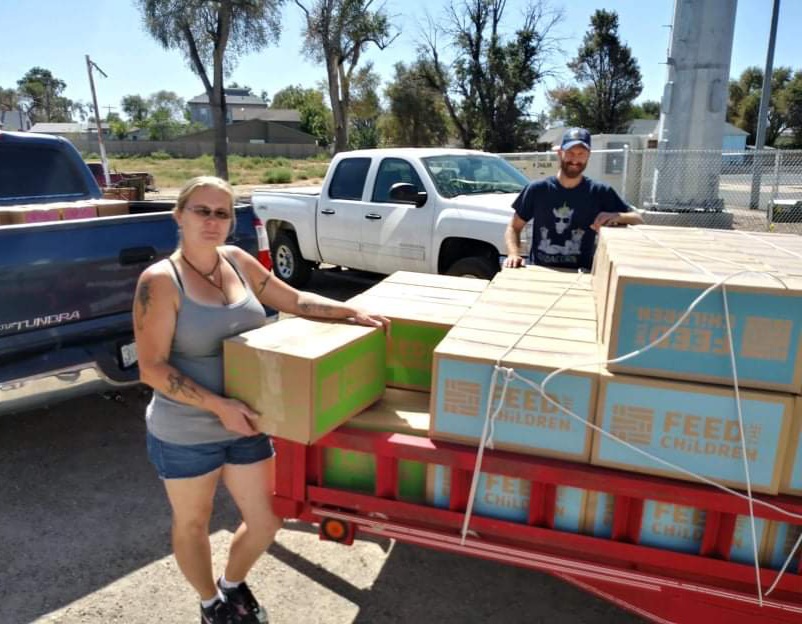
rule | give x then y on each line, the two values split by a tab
143	297
262	285
180	384
311	308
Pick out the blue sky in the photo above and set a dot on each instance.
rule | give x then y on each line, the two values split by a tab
56	34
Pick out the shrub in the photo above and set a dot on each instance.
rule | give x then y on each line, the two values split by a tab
160	155
277	175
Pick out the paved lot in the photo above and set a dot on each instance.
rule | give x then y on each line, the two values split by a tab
84	537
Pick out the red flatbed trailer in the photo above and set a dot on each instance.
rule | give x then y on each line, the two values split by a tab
660	585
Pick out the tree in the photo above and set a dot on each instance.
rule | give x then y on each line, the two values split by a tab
136	107
212	34
785	103
315	116
44	91
488	89
337	32
610	77
417	113
8	99
648	109
365	109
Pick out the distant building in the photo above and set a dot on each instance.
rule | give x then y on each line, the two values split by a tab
70	129
241	100
14	121
256	131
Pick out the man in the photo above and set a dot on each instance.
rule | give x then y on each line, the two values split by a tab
568	209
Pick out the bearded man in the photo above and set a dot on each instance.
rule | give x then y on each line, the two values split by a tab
567	211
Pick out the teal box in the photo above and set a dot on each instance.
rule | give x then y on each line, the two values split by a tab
782	539
507	498
766	323
672	527
527	423
599	514
791	482
695	427
497	496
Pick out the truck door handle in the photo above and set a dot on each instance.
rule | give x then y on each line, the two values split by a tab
373	216
327	211
137	255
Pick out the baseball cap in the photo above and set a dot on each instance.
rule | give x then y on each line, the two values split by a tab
576	136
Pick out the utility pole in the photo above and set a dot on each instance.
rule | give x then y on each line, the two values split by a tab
763	114
98	123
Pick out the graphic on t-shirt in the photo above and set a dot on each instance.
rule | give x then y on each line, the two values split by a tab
562	222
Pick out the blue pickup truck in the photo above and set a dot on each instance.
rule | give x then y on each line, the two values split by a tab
66	287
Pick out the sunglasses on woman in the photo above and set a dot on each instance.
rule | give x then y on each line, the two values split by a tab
205	212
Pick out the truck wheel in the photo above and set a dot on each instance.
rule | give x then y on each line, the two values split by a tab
288	263
476	266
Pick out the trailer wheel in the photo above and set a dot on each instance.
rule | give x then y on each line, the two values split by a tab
335	530
476	266
288	263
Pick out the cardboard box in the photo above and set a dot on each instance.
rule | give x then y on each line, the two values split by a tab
421	309
507	498
399	411
77	210
674	527
517	278
504	322
781	540
526	422
305	377
791	482
766	322
20	215
693	426
110	207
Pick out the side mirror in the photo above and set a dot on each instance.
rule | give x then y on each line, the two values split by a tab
406	193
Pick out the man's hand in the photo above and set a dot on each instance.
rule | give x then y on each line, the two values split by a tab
513	262
605	218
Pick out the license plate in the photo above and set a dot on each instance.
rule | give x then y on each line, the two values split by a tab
128	354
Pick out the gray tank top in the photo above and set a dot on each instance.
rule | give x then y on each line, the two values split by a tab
197	352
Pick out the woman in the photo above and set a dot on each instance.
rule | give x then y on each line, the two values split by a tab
185	306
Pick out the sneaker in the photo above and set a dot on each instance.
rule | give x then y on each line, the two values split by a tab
219	613
244	604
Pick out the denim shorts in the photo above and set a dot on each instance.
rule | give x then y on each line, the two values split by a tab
182	461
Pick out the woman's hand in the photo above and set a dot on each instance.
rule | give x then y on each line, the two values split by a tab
370	320
237	417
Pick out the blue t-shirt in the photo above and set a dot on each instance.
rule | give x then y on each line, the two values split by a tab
561	220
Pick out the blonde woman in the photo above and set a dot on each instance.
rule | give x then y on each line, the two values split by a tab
185	306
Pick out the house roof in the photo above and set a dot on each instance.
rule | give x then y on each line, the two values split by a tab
267	114
44	127
234	97
552	135
649	126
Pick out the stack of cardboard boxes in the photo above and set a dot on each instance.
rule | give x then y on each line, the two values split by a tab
675	401
62	211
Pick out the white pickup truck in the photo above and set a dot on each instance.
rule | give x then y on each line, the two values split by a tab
427	210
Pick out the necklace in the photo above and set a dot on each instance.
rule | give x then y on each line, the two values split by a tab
209	276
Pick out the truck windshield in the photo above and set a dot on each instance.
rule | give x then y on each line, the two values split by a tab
470	174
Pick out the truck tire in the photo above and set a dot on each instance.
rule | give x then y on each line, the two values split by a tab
288	263
479	267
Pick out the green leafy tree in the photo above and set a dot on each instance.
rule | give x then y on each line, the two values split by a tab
488	88
365	109
136	107
649	109
337	33
44	91
213	34
417	114
609	76
785	103
315	115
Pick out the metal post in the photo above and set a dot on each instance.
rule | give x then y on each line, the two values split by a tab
98	123
762	117
624	175
775	187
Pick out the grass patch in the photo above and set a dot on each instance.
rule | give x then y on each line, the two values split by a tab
277	175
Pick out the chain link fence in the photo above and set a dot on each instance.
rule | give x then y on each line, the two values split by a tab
745	190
